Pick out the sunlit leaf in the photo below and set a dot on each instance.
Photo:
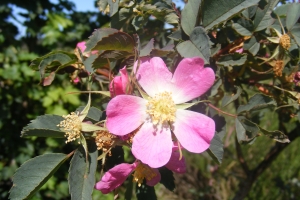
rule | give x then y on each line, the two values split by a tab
215	12
263	17
147	48
97	36
93	114
188	50
296	33
116	41
108	56
113	6
189	15
241	30
293	14
201	40
252	46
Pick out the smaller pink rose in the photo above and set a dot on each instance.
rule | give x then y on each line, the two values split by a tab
120	84
82	47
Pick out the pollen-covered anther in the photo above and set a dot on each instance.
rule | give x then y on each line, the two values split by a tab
285	41
72	126
161	108
143	171
104	141
278	67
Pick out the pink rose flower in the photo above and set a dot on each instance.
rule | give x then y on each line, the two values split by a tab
82	47
114	177
119	84
160	114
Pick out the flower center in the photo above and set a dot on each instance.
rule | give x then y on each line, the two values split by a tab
161	108
143	171
72	126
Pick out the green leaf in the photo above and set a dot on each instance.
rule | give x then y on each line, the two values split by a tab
85	127
216	150
281	10
44	126
145	192
263	17
215	12
129	188
176	35
296	33
167	178
275	135
88	63
162	53
293	15
138	22
52	62
97	36
102	4
252	46
108	56
118	19
116	41
59	56
246	130
147	48
235	59
189	15
214	89
82	173
257	102
188	50
241	30
113	6
201	40
227	99
86	109
93	114
34	173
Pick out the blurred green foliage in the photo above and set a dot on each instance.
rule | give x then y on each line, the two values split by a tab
49	26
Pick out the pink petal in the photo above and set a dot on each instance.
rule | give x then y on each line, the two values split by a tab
119	84
152	146
155	179
193	130
114	177
81	46
174	163
153	75
125	113
191	79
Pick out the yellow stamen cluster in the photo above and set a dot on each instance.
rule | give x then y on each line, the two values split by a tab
161	108
143	171
278	67
104	141
72	126
285	41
